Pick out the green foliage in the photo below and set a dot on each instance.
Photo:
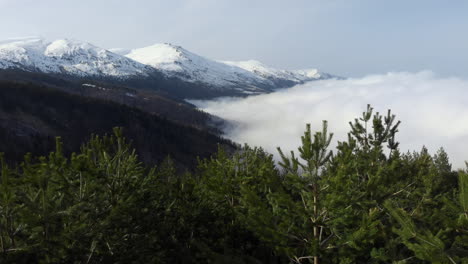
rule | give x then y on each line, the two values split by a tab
365	203
424	244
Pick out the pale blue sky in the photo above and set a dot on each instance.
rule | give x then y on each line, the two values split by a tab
345	37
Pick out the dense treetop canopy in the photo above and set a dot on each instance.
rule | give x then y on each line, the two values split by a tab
365	202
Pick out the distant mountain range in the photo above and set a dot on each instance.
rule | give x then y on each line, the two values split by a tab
175	61
67	57
71	89
163	67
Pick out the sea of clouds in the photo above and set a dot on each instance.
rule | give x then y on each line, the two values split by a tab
433	111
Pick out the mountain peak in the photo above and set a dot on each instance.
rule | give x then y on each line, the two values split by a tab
70	47
175	61
66	56
162	55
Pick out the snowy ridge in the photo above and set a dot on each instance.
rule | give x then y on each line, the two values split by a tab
83	59
267	72
313	74
175	61
67	57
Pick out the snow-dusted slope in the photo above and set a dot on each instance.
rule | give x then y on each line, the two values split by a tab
270	73
22	53
313	74
175	61
66	57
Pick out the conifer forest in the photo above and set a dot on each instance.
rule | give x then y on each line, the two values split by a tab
363	201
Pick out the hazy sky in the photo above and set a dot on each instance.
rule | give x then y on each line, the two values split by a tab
345	37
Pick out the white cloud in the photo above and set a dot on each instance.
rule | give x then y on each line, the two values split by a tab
433	111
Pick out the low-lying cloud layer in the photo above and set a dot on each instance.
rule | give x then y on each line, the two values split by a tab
433	111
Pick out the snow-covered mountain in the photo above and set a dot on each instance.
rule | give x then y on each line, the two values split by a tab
66	56
175	61
147	65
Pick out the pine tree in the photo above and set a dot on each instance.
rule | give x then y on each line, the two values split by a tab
315	154
284	210
362	174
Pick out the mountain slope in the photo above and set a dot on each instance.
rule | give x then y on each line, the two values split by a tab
32	116
67	57
249	76
175	61
267	72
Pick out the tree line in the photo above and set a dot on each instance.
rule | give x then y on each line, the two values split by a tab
365	202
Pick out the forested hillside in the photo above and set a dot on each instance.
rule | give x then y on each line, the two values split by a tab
366	202
156	96
166	86
31	116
